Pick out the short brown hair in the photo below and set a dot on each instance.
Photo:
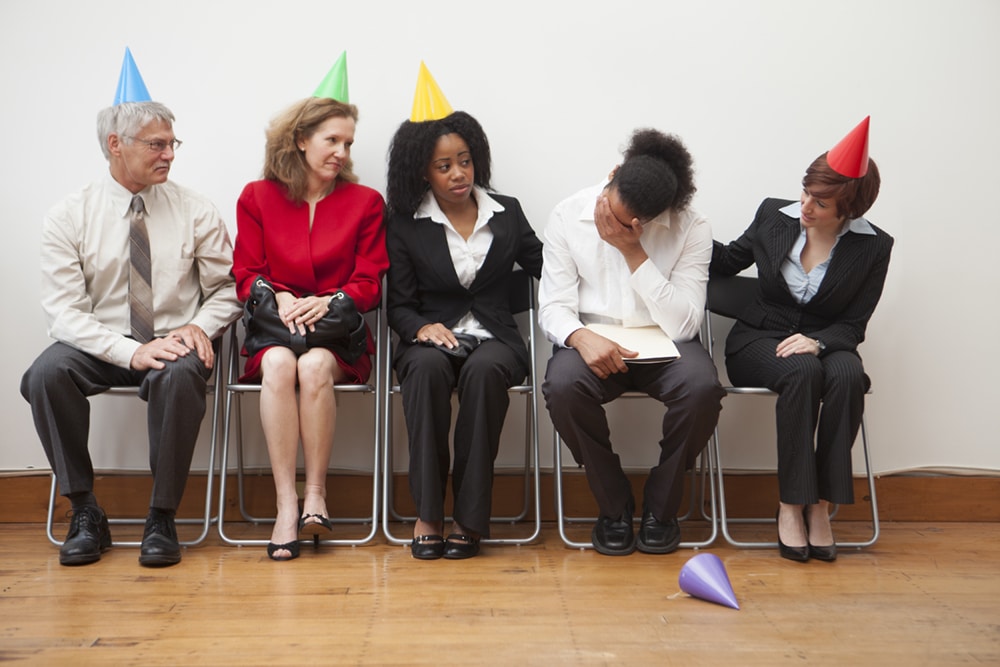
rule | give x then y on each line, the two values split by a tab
852	196
283	161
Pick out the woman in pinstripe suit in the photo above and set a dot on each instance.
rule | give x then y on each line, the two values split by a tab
821	267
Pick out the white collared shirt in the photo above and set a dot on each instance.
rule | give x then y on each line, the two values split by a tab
585	279
469	254
804	285
85	267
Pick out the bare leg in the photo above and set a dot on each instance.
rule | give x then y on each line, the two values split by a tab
791	526
318	372
280	421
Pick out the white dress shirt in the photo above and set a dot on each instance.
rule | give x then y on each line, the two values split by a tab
469	254
585	279
85	267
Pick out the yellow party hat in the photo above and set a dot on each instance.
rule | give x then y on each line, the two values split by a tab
429	102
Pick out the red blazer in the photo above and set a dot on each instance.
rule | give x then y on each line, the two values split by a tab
345	249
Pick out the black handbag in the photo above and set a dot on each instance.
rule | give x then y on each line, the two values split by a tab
342	329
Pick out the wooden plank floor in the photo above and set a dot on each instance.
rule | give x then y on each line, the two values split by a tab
926	594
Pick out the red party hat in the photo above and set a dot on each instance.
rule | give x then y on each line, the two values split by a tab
850	157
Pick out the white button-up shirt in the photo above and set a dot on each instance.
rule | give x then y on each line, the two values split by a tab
85	267
585	279
469	254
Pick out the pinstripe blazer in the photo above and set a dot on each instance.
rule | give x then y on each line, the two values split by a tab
839	312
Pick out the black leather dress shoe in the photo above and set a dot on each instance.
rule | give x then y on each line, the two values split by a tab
658	537
613	537
88	537
159	541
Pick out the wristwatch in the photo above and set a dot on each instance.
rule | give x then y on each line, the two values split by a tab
820	344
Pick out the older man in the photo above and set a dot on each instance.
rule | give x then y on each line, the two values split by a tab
135	285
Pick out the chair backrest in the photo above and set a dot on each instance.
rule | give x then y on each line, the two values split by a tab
522	291
729	295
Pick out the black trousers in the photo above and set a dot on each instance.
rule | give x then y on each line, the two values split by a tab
58	384
427	377
688	387
814	442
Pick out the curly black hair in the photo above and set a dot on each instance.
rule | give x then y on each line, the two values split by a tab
412	148
657	174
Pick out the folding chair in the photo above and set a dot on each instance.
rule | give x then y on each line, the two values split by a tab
205	520
703	470
234	429
522	303
727	296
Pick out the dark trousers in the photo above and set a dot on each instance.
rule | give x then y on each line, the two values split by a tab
58	385
688	387
814	442
427	378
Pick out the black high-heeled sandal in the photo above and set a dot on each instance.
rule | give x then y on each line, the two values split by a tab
291	547
320	526
798	554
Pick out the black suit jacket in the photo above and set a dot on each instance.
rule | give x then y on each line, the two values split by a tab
839	312
423	287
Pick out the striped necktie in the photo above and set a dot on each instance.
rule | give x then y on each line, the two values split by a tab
140	290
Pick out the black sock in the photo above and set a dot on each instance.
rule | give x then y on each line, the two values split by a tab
81	499
161	512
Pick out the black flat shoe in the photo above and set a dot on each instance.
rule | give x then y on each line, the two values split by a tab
459	547
427	547
89	536
291	547
798	554
658	537
613	537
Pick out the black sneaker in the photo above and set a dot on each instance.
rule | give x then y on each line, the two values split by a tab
613	537
658	537
159	541
88	537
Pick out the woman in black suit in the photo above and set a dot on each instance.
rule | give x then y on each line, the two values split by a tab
452	246
821	267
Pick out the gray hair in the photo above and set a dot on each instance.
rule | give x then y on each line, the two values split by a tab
127	119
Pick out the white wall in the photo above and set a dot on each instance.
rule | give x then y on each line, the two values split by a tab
757	90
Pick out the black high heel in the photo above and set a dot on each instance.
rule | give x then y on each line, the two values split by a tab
826	553
320	526
798	554
291	547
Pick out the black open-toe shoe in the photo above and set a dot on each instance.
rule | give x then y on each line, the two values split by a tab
315	525
427	547
291	547
459	546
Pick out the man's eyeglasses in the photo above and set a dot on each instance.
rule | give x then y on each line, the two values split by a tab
157	145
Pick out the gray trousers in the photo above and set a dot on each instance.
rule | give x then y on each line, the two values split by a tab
688	387
58	385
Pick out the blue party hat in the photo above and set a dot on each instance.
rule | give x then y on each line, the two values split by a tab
130	85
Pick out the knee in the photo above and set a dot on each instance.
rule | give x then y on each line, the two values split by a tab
42	376
315	370
802	372
846	377
279	369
